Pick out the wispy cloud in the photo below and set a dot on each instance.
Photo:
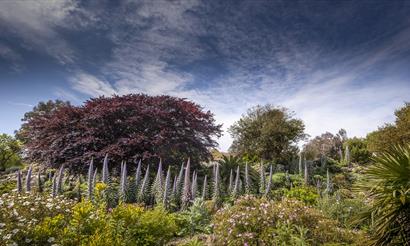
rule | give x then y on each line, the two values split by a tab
20	104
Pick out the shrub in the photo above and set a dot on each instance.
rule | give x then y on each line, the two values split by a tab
304	194
254	221
195	220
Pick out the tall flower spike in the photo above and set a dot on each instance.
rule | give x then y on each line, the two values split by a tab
167	188
186	193
39	183
230	186
328	185
60	177
262	179
235	190
19	182
143	192
90	186
123	182
194	186
105	173
54	185
247	180
95	177
157	186
268	186
306	176
28	179
138	175
179	183
347	155
205	189
300	163
216	196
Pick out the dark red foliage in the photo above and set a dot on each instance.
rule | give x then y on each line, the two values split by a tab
126	127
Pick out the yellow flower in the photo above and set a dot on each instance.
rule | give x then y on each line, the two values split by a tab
100	187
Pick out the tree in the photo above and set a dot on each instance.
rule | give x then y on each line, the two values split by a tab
358	150
42	109
326	144
127	128
397	133
10	149
268	132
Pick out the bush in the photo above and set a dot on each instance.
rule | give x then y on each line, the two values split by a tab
304	194
254	221
196	219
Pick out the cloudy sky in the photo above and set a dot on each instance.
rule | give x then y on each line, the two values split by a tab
339	65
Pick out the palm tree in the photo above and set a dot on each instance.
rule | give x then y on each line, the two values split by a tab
387	184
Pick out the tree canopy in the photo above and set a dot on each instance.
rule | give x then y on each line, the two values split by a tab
327	144
9	152
268	132
125	127
389	135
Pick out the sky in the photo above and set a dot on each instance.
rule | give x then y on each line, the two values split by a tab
335	64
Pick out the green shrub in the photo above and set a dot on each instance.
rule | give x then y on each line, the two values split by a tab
308	195
254	221
196	219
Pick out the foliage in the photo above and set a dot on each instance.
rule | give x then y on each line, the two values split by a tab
20	213
195	220
387	185
253	221
268	132
326	144
10	149
305	194
397	133
129	127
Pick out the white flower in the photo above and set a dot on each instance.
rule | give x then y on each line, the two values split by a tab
26	203
51	239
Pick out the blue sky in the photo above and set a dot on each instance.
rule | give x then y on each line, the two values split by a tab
337	64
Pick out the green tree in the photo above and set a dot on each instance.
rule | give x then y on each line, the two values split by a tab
42	109
359	152
9	152
269	132
397	133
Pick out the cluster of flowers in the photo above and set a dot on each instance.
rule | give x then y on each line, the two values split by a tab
21	212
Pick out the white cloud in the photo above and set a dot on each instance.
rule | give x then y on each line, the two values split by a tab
91	85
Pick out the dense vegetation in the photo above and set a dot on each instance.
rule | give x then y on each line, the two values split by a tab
336	190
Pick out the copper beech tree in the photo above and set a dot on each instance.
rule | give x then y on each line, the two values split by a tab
130	127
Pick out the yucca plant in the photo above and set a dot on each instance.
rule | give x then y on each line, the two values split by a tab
387	186
28	178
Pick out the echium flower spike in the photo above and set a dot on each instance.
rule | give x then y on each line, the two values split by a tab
247	180
179	183
230	186
306	176
138	175
205	189
19	182
300	163
54	185
216	196
167	188
236	187
268	186
60	177
194	187
262	179
186	192
143	192
28	179
105	173
39	183
95	177
123	183
157	186
90	186
347	155
328	185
